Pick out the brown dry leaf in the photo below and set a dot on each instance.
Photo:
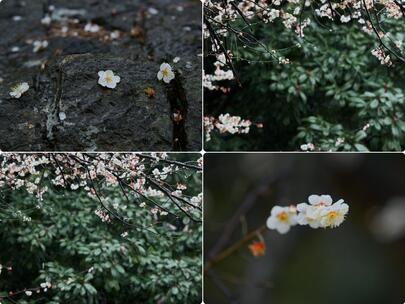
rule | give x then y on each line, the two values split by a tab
150	92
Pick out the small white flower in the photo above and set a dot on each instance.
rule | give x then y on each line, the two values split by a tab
334	215
39	45
108	79
28	292
92	28
124	234
320	212
115	35
282	218
153	11
308	215
62	116
74	186
166	73
46	20
15	49
19	90
176	59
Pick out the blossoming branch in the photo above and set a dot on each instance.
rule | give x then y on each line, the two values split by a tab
145	179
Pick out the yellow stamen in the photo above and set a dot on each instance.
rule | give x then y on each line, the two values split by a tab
331	215
108	78
282	216
165	73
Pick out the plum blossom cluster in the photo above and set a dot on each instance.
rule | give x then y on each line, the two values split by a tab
227	21
222	73
43	287
152	178
319	212
226	124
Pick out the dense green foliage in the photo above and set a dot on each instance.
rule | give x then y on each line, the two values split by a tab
88	261
332	89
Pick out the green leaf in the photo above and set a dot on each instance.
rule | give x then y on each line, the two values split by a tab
361	148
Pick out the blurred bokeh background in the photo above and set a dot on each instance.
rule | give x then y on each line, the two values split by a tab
362	261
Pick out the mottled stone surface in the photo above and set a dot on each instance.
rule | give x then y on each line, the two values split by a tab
63	77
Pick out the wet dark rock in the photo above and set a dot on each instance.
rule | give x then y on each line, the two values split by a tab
63	77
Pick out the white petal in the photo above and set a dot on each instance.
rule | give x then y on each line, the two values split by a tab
167	79
111	85
102	82
326	199
276	210
271	223
101	74
292	220
117	79
164	66
160	75
314	224
302	219
314	199
109	73
283	228
302	207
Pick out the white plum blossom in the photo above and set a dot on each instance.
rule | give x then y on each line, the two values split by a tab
28	292
39	45
321	212
308	215
307	147
62	116
92	28
282	218
143	174
46	20
333	216
45	286
165	73
226	124
108	79
18	90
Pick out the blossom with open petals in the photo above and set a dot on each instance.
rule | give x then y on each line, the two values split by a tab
334	215
108	79
166	73
321	212
282	218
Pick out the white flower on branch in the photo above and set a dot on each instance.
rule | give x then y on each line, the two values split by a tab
282	218
321	212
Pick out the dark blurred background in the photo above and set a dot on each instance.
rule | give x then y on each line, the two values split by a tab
362	261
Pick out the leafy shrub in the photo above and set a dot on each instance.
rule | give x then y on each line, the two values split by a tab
88	261
333	94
